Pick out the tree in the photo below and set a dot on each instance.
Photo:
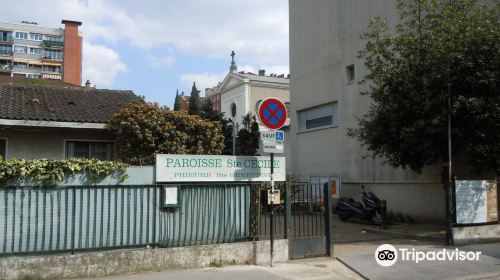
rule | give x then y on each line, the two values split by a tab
227	127
194	102
145	129
443	59
247	141
177	102
208	112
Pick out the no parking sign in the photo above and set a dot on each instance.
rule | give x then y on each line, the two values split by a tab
272	113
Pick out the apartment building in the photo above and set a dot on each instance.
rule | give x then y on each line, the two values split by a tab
32	51
215	97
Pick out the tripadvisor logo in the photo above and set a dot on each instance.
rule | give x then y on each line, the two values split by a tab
387	255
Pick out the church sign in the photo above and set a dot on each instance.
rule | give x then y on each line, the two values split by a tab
476	201
215	168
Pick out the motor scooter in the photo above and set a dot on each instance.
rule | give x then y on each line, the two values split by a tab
349	208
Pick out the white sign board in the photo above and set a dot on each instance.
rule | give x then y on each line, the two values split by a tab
208	168
272	135
275	147
476	201
170	196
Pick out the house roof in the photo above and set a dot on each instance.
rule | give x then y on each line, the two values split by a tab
61	104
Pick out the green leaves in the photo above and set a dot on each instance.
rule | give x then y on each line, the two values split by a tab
248	136
439	51
48	172
145	129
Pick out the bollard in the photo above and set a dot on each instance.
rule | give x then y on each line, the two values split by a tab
383	209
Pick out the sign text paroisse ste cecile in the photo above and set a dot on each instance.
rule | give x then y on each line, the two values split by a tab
204	168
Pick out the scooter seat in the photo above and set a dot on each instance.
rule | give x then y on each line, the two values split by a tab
350	201
358	204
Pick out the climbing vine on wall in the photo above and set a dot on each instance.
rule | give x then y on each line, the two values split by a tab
48	172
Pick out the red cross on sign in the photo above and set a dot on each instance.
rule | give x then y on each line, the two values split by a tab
272	113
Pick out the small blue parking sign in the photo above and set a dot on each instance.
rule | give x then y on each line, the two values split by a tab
280	136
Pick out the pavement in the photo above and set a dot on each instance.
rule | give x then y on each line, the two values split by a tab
361	259
355	245
308	269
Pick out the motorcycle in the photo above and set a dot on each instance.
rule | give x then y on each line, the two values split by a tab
349	208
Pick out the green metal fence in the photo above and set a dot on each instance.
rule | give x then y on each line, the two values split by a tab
74	218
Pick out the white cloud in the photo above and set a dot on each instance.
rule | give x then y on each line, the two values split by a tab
203	80
101	64
159	61
256	30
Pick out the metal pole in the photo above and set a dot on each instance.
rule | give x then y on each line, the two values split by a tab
449	140
272	210
234	138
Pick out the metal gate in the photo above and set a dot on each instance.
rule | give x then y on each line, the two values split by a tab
310	233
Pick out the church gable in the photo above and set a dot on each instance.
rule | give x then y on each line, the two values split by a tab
229	81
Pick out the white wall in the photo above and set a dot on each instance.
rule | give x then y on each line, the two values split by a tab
236	95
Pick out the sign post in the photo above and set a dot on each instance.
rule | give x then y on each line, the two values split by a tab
272	114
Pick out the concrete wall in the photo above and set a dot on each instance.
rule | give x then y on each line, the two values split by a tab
140	260
39	143
324	40
476	234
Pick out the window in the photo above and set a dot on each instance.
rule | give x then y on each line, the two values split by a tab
5	50
233	110
22	35
323	116
257	104
36	37
3	149
53	54
287	106
34	76
36	50
84	149
20	49
20	64
5	36
50	68
350	73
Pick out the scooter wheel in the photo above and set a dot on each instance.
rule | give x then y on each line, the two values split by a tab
342	216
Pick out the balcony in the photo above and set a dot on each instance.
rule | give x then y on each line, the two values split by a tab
52	58
5	53
6	40
26	70
55	72
5	69
50	44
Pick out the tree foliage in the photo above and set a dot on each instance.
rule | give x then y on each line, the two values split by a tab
48	172
247	141
208	113
145	129
195	102
177	102
441	51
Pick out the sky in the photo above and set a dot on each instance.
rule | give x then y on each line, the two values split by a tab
155	47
